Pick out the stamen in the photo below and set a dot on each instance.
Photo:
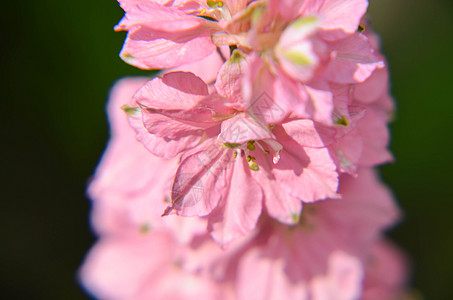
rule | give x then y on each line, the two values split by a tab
130	110
262	148
251	145
230	145
214	4
361	28
274	145
340	120
253	166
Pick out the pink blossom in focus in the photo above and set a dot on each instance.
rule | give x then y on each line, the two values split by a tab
231	160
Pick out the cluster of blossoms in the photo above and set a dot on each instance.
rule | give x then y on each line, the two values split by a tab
245	171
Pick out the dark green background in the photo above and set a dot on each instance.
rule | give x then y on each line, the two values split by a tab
58	60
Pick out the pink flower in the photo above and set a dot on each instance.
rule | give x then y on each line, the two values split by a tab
169	34
297	261
227	169
297	54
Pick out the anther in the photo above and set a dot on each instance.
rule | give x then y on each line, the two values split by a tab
253	166
361	28
251	145
230	145
213	4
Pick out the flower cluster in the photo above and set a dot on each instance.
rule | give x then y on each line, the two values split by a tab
244	171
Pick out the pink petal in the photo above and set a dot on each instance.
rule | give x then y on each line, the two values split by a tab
157	17
201	180
144	268
306	134
341	100
171	113
338	17
112	261
174	91
242	128
207	68
288	9
228	83
280	204
301	175
353	60
235	6
261	89
375	134
343	280
309	174
320	106
262	276
162	50
160	146
347	152
374	213
298	49
373	88
164	37
240	208
387	272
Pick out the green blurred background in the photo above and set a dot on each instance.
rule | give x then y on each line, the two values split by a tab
59	59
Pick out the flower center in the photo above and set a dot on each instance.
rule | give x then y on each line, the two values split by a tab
248	150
